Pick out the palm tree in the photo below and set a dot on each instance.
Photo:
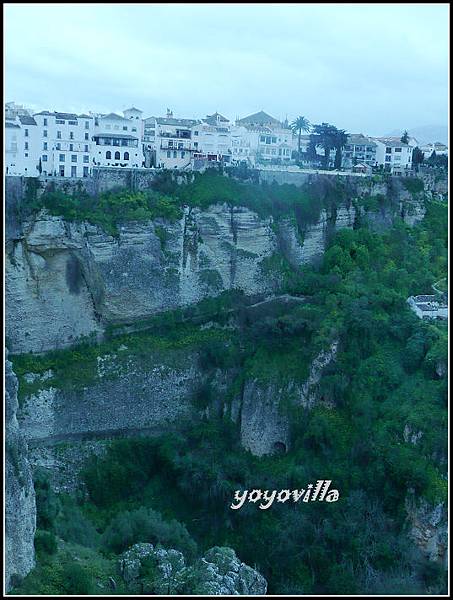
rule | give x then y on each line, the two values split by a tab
341	139
297	126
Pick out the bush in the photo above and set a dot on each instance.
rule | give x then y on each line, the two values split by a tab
76	580
147	525
45	542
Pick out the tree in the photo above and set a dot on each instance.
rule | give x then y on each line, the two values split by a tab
417	157
341	139
297	126
40	167
324	136
405	137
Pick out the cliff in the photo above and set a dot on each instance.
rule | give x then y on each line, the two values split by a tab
67	280
20	506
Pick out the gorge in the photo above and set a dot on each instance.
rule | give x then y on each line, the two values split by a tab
260	326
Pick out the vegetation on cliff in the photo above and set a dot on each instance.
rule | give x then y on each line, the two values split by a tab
388	378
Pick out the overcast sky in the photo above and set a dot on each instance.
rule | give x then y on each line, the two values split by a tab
363	67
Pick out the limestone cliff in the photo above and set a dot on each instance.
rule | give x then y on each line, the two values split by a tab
67	280
20	506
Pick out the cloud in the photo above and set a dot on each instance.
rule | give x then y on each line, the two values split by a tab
363	67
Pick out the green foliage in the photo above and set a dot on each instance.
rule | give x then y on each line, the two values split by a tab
147	525
413	184
77	580
45	542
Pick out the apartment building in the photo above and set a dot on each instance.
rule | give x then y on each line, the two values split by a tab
64	143
359	149
394	156
168	141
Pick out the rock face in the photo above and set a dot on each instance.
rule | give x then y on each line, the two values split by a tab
124	397
265	423
67	280
218	572
429	528
20	506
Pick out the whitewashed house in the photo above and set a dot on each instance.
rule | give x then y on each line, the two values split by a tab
394	156
117	141
169	139
428	307
260	139
359	149
65	143
211	139
21	146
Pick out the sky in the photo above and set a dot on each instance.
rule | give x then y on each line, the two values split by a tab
369	68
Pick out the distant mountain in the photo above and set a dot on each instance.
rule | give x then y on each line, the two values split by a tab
426	134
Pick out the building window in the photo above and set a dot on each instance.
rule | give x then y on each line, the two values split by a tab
44	146
26	154
73	157
71	135
60	122
58	135
86	159
117	156
44	158
398	149
86	147
61	157
44	133
195	132
71	147
26	145
61	171
134	128
175	154
73	171
26	132
86	136
45	122
124	127
168	153
72	122
85	171
108	155
126	156
183	154
57	146
388	150
87	124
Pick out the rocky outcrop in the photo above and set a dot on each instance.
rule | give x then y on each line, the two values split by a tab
428	527
125	396
263	414
20	505
218	572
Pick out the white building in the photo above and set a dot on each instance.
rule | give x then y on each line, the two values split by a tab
117	141
64	143
260	138
359	149
428	307
168	141
394	156
22	146
437	147
211	139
